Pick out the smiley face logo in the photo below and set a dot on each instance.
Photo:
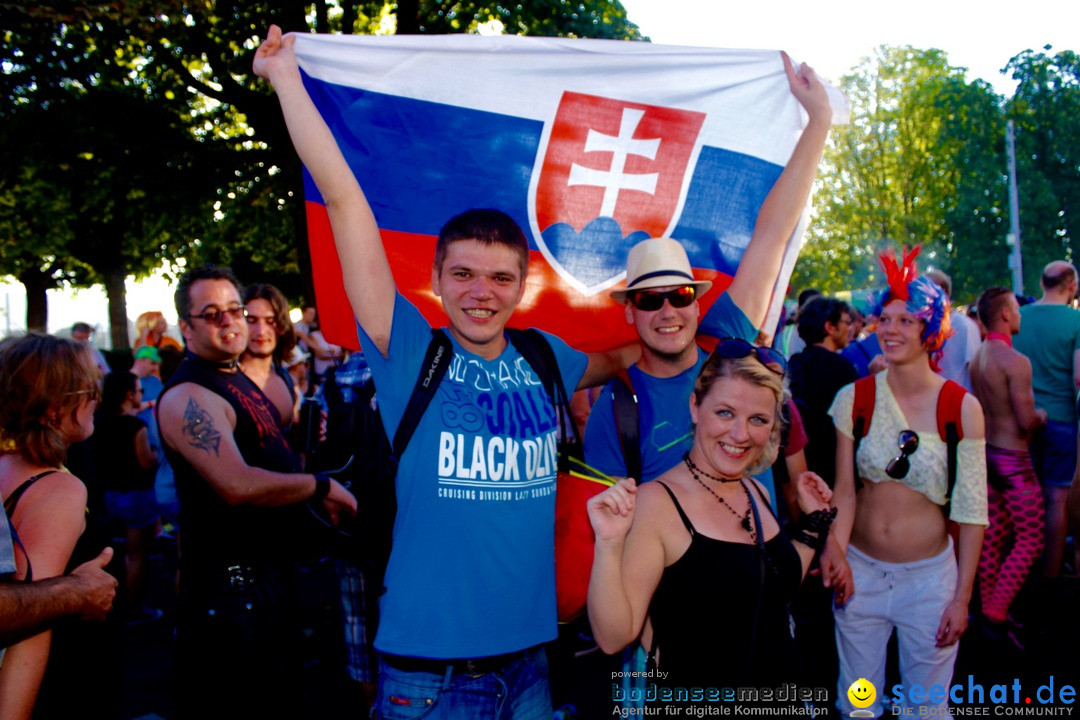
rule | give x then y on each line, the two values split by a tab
862	693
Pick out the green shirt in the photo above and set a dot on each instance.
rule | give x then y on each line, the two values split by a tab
1050	336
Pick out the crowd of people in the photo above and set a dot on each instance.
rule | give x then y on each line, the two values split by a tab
781	505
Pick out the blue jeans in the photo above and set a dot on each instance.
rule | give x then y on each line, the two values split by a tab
517	692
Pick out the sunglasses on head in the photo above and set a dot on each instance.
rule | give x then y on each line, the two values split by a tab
899	466
734	348
650	300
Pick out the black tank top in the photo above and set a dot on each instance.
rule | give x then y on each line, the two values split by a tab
216	534
704	606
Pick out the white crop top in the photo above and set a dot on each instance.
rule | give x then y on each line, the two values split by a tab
929	474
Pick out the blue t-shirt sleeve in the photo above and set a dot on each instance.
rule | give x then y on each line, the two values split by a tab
602	448
726	319
395	375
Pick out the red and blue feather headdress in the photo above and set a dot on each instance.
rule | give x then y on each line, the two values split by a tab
922	297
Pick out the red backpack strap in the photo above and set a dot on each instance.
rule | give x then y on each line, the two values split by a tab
949	403
862	412
951	429
862	409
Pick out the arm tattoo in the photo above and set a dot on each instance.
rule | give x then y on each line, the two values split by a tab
199	428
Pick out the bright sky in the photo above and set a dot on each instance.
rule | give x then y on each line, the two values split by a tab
833	35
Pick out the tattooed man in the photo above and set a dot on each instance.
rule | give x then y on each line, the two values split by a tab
242	637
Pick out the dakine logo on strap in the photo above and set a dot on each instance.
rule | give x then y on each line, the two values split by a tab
611	174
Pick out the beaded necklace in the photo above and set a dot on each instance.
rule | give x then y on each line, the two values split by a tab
744	519
692	466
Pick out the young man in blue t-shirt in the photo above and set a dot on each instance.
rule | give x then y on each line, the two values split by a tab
664	376
470	585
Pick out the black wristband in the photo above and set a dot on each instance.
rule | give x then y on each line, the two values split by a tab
812	529
322	486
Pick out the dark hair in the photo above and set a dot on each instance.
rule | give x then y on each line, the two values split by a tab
817	312
807	295
751	370
990	304
182	296
114	391
487	227
41	374
170	360
1056	274
286	336
81	327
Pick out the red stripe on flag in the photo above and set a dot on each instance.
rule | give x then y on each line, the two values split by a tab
586	323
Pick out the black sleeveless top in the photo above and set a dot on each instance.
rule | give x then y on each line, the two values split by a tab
703	612
216	534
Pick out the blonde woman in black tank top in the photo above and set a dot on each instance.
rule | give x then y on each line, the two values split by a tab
699	550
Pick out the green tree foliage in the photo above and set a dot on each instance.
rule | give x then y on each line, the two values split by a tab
1046	112
221	183
922	162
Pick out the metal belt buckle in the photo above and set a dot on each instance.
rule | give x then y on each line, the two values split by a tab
472	668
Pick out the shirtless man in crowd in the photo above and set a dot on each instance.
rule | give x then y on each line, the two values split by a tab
1001	378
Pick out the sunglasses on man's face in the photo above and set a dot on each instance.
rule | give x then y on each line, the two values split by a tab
650	300
734	348
900	466
214	316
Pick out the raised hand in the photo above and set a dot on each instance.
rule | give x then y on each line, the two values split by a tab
275	53
807	88
612	511
813	493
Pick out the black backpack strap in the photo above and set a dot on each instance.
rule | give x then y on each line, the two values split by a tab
536	350
436	363
759	532
624	405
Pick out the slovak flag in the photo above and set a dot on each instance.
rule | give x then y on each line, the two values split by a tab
590	145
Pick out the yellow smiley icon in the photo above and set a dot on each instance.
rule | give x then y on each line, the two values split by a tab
862	693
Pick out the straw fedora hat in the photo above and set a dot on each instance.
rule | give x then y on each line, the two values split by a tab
658	262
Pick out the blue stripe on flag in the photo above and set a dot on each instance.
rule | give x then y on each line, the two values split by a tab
721	207
417	180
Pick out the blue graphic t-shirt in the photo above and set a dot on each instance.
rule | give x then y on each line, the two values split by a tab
472	572
663	406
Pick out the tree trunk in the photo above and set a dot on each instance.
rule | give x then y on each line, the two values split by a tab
118	322
37	302
408	17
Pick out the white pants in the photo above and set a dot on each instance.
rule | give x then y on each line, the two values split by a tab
910	597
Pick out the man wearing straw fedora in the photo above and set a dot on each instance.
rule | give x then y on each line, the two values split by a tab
661	298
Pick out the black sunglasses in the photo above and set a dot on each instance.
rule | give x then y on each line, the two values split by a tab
734	348
214	316
650	300
899	466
